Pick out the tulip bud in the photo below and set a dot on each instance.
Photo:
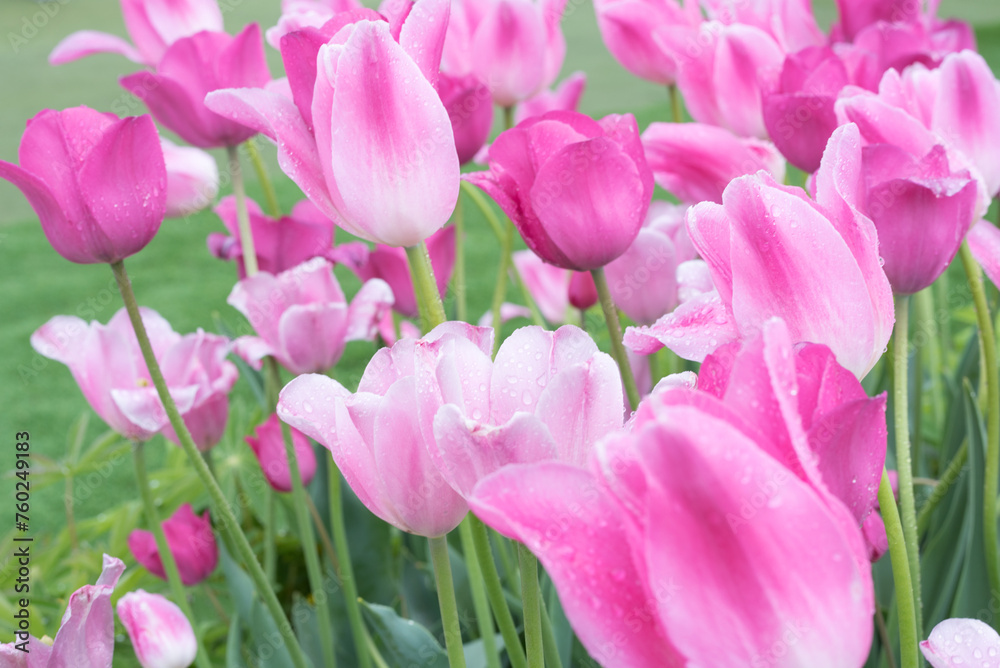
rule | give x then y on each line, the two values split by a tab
268	445
190	540
161	635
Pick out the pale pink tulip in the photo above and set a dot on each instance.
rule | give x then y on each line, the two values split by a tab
553	289
189	538
192	179
968	642
299	14
984	242
790	22
98	184
565	97
627	27
302	317
268	445
161	635
153	26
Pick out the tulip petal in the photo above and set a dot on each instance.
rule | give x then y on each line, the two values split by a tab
311	336
422	35
693	330
88	42
509	50
962	641
87	633
984	242
369	305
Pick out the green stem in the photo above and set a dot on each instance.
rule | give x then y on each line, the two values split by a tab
948	479
458	279
928	324
242	216
908	637
446	599
508	118
166	556
500	290
552	659
346	567
531	597
904	465
270	553
988	339
675	103
479	600
425	287
615	330
494	592
265	181
223	512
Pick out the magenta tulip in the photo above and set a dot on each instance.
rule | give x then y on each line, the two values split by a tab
627	27
153	26
565	97
279	244
192	179
856	15
375	434
189	538
967	642
106	362
470	109
577	189
760	247
268	445
161	635
98	184
190	69
302	317
695	162
86	637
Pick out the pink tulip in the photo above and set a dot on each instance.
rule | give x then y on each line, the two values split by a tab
375	434
790	22
153	26
984	242
696	162
760	246
470	109
627	27
268	445
698	491
86	637
98	184
192	179
161	635
190	540
565	97
279	244
302	317
577	189
385	173
299	14
553	289
799	112
968	642
855	15
190	69
106	362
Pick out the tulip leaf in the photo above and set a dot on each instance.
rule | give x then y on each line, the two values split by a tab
234	644
402	642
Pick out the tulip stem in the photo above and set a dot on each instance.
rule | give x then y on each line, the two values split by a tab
552	659
479	601
265	181
908	637
928	323
270	554
425	287
988	340
242	216
904	465
221	508
500	291
458	281
347	580
508	118
166	556
531	597
948	478
615	330
446	599
675	103
494	591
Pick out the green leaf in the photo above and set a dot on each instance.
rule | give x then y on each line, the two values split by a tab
402	642
234	644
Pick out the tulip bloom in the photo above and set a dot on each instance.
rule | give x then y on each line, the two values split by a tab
969	642
190	69
760	247
386	173
106	362
161	635
299	14
553	289
790	22
302	317
190	540
268	445
87	634
467	100
153	26
577	189
696	162
192	179
565	97
98	184
280	244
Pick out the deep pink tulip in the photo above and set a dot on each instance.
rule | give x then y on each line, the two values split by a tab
627	27
577	189
799	112
855	15
760	245
279	244
470	109
153	26
375	434
98	184
106	362
695	162
694	493
968	642
161	635
302	317
191	541
790	22
86	637
190	69
192	179
565	97
386	173
268	445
